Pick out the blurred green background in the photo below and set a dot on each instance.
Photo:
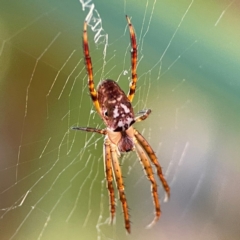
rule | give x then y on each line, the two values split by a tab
52	178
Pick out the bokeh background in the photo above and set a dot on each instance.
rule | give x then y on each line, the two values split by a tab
52	178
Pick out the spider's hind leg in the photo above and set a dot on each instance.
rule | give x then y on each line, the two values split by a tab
133	40
88	64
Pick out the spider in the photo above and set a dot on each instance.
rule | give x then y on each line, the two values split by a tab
115	109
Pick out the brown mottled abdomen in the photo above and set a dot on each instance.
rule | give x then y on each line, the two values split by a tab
116	109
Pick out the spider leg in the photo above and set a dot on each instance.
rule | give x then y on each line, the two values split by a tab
142	115
133	60
88	129
143	142
88	63
109	175
149	172
120	185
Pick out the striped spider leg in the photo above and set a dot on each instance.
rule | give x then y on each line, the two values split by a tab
115	109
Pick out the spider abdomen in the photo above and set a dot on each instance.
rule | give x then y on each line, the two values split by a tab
116	109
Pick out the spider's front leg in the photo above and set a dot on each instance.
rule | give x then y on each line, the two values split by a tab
152	156
149	173
120	184
109	175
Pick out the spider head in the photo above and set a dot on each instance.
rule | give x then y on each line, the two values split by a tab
116	109
123	140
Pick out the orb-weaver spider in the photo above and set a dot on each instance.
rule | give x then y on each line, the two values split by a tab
115	109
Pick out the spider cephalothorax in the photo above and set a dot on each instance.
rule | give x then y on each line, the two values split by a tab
115	108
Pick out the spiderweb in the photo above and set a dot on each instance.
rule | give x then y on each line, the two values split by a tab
52	178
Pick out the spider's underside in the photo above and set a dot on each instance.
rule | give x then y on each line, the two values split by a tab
115	109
